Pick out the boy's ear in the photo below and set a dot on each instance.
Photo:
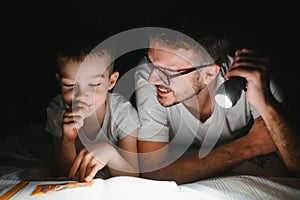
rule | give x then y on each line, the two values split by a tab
57	75
113	79
211	72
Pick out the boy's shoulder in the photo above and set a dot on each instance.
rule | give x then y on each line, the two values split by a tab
118	101
56	101
116	97
124	114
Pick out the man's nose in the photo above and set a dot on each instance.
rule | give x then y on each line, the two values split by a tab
153	78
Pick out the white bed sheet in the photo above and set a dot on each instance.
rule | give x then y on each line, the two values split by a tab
247	187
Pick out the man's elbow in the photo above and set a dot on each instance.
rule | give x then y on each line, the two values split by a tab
295	171
151	175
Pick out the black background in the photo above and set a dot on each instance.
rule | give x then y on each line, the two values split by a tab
30	30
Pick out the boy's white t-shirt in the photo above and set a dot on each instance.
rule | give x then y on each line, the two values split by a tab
120	119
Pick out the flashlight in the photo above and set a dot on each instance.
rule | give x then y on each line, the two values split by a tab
230	91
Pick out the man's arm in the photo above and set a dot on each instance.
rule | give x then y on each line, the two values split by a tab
219	160
284	131
282	125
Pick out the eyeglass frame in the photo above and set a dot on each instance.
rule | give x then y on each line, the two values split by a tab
169	77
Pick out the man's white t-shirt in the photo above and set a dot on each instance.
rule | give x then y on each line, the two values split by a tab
186	134
177	125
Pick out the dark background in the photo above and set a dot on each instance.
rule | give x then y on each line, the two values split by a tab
31	32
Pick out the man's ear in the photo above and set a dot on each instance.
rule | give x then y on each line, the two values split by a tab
113	80
211	72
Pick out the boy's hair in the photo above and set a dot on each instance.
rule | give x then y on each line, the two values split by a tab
80	50
76	43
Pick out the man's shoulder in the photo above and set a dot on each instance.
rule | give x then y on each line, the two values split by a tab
142	70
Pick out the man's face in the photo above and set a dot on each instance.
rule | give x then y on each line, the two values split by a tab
170	62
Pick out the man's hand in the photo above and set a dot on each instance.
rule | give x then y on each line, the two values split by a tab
254	67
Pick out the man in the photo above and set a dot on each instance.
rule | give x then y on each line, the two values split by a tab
185	136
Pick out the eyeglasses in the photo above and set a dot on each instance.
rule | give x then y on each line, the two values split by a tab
164	77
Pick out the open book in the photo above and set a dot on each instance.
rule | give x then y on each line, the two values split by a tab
121	187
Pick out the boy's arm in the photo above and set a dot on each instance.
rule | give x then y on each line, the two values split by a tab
192	168
64	154
121	160
126	160
65	146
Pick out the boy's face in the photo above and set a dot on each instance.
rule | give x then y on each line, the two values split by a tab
87	82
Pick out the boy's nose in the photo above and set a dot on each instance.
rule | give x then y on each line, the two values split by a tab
82	93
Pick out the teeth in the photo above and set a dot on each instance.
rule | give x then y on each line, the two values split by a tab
163	90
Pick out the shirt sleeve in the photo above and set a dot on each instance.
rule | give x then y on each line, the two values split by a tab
124	116
54	117
152	114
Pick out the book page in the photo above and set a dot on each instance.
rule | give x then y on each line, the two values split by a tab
121	187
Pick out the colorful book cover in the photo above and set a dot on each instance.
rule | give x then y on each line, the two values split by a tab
55	187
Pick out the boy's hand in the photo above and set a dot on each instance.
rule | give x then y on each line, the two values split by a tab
90	160
73	120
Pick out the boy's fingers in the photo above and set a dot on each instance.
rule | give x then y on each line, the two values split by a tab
82	107
93	172
78	111
83	167
75	166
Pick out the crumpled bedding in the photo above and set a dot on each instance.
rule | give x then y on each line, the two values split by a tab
27	155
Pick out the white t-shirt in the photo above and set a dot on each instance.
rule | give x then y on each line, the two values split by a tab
120	119
186	134
176	125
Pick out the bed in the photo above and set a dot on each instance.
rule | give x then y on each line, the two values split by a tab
27	155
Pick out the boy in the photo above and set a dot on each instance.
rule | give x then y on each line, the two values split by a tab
92	127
